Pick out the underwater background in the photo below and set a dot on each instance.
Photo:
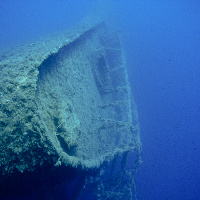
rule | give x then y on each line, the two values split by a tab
162	44
164	62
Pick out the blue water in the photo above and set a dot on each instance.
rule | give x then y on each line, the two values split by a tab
26	20
162	41
163	48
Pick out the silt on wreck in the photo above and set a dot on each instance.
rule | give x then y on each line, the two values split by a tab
67	113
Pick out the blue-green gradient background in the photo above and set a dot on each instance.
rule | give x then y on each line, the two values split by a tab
162	43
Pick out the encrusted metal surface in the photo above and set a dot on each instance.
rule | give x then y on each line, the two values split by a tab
66	99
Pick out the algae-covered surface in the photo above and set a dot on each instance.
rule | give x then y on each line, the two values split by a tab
66	99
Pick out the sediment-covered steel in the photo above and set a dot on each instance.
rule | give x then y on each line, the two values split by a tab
66	99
